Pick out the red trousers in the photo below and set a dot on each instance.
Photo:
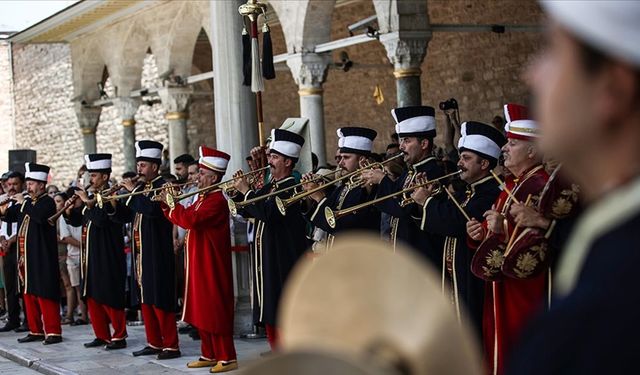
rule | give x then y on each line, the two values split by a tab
160	327
272	336
217	347
101	316
41	310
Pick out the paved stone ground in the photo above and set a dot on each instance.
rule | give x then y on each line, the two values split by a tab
70	357
7	366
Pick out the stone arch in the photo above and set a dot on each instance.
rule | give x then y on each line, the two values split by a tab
394	15
127	67
202	60
87	66
304	23
183	34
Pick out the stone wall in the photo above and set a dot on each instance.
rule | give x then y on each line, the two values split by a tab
481	70
46	121
6	106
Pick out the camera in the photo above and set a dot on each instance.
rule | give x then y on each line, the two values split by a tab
448	104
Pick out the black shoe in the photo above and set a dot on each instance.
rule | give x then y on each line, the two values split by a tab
22	328
9	327
147	350
184	330
194	334
169	354
31	338
79	322
114	345
52	340
95	343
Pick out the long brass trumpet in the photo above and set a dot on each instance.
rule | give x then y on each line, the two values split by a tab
53	218
11	199
233	206
282	204
101	199
108	191
220	185
332	216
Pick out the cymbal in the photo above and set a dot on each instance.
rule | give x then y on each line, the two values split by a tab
316	363
362	299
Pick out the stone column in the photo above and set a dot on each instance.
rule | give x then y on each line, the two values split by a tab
176	102
236	129
406	51
127	108
88	117
309	70
234	105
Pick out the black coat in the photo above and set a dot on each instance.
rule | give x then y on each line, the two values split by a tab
103	263
153	259
403	226
367	219
279	242
441	217
594	329
37	246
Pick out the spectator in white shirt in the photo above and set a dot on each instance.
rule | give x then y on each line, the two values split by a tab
71	237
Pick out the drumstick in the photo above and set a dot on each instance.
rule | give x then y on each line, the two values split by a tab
457	204
504	187
515	230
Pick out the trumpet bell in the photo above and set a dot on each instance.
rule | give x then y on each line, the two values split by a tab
282	206
170	201
330	217
233	209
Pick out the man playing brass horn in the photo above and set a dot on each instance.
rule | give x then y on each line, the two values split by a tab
208	298
102	261
279	240
479	148
355	147
416	127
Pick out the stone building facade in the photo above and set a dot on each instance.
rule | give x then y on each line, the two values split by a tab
6	105
480	69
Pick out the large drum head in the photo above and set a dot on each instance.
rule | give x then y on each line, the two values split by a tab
362	299
317	363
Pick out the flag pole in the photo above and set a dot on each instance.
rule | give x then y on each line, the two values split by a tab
253	9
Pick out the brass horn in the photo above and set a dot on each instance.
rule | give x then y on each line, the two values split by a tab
284	203
332	216
220	185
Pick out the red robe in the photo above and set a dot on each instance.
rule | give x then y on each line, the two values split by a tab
208	295
511	303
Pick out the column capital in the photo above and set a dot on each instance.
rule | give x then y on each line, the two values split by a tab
175	99
88	118
309	70
127	108
406	51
